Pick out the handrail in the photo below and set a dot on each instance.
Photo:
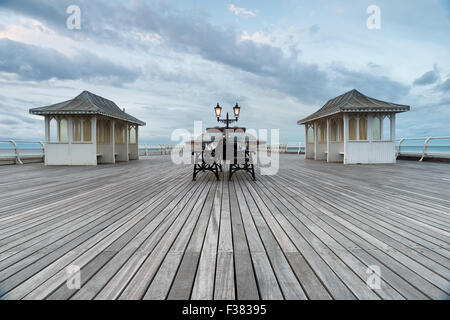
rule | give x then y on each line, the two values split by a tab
17	157
425	147
164	149
400	145
16	152
159	149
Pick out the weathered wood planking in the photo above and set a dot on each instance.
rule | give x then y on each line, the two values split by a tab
144	230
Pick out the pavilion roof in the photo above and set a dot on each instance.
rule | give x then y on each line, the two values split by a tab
88	103
354	101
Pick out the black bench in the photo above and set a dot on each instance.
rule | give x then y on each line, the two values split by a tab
242	160
210	159
206	160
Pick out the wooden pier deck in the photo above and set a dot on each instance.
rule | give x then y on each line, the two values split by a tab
144	230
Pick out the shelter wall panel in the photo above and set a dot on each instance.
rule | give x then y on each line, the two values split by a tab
57	154
106	150
122	152
83	154
134	151
370	152
309	151
334	152
65	154
321	151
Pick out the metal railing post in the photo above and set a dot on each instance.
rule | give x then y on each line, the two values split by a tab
16	152
425	148
400	146
43	150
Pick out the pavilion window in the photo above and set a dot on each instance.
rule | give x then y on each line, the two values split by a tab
310	134
319	133
362	128
76	129
120	134
376	128
341	130
352	124
63	131
53	130
333	130
87	130
107	131
322	133
99	131
116	133
386	128
132	135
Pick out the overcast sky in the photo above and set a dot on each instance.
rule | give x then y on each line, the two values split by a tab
169	62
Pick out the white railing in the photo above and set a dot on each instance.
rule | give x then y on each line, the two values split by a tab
290	147
15	152
165	149
160	149
425	149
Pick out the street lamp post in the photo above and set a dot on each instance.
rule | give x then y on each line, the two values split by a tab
234	164
227	120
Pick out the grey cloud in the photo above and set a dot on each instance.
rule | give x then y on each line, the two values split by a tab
258	64
15	122
428	78
46	10
113	22
444	87
373	65
314	29
372	85
36	63
9	121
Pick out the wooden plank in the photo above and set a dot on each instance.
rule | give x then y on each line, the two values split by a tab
224	288
269	288
99	241
125	243
405	288
101	213
432	277
160	286
57	252
203	288
270	231
246	286
324	243
134	277
414	279
182	286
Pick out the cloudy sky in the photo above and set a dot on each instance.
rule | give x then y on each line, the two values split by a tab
169	62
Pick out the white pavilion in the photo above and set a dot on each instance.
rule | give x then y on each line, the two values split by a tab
353	129
89	130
